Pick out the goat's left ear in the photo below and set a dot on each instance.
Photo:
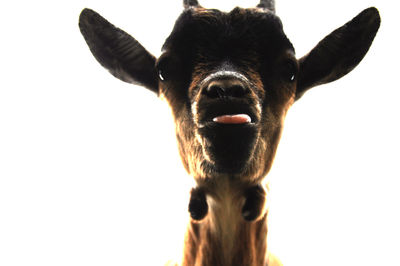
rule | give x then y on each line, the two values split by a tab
117	51
339	52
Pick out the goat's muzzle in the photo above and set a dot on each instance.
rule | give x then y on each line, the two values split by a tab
226	97
227	114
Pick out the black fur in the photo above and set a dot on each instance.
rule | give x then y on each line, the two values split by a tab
339	52
117	51
255	200
198	207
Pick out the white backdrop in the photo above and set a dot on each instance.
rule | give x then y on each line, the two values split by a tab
89	173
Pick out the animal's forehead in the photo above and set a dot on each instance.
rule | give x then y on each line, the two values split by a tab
212	29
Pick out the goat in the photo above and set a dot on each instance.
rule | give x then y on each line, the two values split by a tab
229	78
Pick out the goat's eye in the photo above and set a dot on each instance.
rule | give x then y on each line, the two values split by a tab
162	68
290	71
161	75
168	67
292	77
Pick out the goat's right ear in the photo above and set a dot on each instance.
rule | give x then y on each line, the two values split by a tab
339	52
117	51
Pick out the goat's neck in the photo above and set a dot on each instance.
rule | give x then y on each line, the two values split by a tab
223	237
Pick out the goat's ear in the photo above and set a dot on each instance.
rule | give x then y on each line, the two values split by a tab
339	52
117	51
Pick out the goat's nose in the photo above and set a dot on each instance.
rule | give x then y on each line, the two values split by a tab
225	88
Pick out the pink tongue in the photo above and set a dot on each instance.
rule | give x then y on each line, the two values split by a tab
233	119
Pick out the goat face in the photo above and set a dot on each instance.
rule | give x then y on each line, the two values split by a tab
229	79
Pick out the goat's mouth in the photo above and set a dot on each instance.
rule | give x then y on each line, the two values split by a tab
228	134
226	113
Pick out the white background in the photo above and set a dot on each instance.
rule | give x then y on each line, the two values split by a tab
89	173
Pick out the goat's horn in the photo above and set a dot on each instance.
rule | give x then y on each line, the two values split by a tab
267	4
190	3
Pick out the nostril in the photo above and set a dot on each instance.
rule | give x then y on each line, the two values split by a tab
214	91
238	91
